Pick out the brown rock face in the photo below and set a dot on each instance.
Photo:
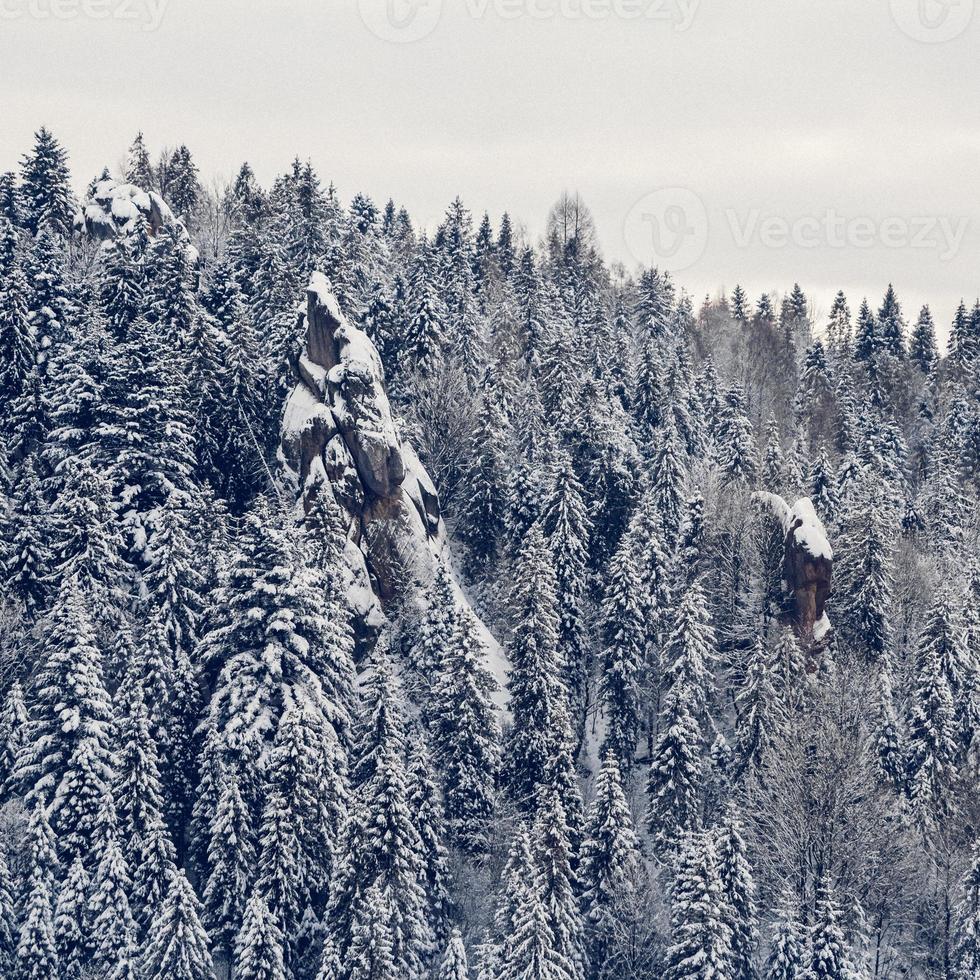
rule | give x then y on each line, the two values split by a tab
809	578
808	565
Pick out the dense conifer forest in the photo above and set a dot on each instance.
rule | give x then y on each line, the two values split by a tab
390	603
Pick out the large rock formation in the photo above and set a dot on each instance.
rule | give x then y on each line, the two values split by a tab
115	209
808	564
339	432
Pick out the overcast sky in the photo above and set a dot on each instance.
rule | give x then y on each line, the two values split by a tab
836	142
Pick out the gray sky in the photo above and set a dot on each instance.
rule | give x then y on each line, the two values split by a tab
757	141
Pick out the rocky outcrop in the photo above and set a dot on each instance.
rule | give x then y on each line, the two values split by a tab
808	564
114	209
338	431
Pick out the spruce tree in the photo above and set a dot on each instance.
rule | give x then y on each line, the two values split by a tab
967	955
112	921
676	768
738	889
667	490
567	529
737	452
231	858
556	885
8	917
923	350
259	949
45	191
622	659
177	947
371	955
454	965
829	956
381	852
610	869
139	171
299	816
18	347
426	806
465	739
536	690
271	643
530	952
932	734
37	957
14	729
67	761
700	936
787	953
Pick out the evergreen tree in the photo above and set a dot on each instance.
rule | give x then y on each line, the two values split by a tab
932	730
273	642
177	946
738	889
112	921
968	922
139	170
787	952
14	729
465	739
739	305
425	329
891	325
567	529
737	451
622	660
45	191
758	707
231	857
611	865
183	187
18	346
426	807
259	951
8	917
454	965
556	885
371	955
673	783
37	957
867	341
299	816
66	765
536	691
529	952
381	872
667	490
829	958
700	937
923	350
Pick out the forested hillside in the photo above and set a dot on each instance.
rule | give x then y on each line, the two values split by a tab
381	603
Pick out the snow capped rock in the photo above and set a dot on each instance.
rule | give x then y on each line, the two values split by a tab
115	209
807	564
338	430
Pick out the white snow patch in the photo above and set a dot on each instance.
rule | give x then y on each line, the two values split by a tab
801	520
302	408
